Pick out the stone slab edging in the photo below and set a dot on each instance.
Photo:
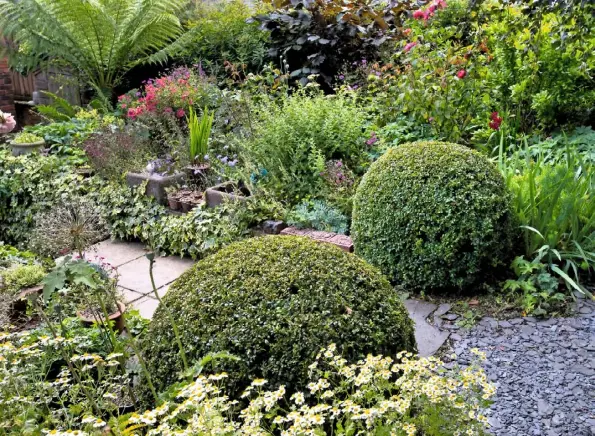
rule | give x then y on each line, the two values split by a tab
343	242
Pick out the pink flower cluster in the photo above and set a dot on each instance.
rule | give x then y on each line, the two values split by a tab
409	46
7	122
337	174
426	14
170	94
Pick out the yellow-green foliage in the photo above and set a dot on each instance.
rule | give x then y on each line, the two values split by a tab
274	302
14	279
433	215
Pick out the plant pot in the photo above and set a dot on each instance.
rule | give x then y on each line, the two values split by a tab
227	191
27	148
186	206
174	202
199	170
156	184
18	307
85	172
117	317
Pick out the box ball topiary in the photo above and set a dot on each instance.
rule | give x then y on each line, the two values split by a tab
274	302
433	216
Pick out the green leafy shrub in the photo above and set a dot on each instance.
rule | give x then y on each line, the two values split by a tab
294	140
274	302
10	255
318	215
555	207
221	34
542	58
433	215
12	280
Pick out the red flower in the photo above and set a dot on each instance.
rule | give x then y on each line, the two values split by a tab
180	113
419	14
461	74
496	121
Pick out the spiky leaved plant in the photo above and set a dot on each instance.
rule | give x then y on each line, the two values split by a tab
200	131
100	40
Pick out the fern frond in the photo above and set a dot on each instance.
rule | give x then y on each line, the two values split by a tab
99	39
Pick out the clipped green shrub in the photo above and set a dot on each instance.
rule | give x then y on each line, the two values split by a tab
274	302
433	216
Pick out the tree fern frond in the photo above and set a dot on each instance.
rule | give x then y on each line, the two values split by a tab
99	39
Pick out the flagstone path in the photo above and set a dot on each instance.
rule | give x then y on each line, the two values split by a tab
132	266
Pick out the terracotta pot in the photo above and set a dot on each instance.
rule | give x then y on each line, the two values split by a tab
117	317
174	202
187	205
18	307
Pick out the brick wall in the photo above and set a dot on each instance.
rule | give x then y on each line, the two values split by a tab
6	88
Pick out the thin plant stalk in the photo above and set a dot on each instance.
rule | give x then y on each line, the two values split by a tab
151	257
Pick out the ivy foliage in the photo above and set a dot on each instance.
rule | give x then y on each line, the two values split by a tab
274	302
28	185
433	216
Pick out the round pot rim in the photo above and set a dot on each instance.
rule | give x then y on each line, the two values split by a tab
121	309
28	144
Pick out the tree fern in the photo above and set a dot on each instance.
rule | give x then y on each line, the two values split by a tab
100	39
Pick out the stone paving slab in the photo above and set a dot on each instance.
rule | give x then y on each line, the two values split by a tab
128	296
134	282
146	306
429	339
134	275
117	253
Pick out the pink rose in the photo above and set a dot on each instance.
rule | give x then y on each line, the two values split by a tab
7	122
180	113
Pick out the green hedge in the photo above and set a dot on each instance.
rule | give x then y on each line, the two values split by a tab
433	216
274	302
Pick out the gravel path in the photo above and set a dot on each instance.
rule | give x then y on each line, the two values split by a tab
544	371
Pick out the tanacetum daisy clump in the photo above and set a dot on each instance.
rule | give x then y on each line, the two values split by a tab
378	395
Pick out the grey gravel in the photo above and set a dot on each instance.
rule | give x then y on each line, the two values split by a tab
544	371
